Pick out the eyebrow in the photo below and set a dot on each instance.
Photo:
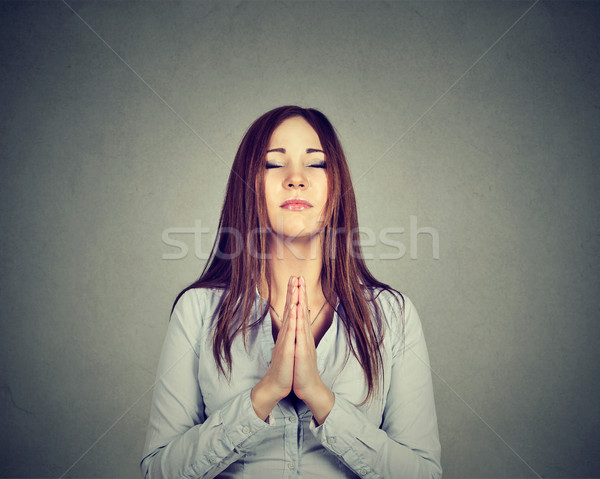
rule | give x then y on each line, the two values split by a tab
282	150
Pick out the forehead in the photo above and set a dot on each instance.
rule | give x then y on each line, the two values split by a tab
295	130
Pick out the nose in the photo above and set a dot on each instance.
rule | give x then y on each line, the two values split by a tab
296	180
296	184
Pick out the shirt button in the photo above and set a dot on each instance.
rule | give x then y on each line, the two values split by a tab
246	430
292	465
292	418
331	440
213	460
363	472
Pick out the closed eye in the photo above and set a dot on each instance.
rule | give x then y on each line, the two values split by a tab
322	164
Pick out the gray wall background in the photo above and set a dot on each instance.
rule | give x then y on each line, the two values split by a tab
95	166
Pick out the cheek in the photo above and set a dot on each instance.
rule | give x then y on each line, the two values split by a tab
271	198
325	190
268	188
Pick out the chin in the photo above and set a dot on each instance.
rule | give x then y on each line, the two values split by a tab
298	231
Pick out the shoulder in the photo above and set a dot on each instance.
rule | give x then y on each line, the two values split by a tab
196	305
391	303
399	314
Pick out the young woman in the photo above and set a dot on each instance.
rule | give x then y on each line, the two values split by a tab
287	358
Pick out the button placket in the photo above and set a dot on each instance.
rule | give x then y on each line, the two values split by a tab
290	438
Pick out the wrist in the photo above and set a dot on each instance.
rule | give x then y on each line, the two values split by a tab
320	402
271	389
263	399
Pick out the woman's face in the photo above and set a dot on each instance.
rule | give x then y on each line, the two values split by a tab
295	168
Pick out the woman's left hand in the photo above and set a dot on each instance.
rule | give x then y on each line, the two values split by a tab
307	384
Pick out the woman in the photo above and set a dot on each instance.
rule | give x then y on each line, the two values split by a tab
287	358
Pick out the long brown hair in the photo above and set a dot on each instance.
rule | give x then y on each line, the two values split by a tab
237	268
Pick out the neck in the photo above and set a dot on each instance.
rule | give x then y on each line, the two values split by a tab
300	257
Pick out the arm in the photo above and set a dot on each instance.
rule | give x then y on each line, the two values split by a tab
407	444
181	441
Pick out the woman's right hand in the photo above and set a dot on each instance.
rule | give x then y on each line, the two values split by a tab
280	375
278	381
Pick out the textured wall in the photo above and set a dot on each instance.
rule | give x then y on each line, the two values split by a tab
123	122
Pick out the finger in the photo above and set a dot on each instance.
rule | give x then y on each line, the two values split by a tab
300	315
301	325
300	338
291	331
295	298
288	299
293	290
306	312
289	292
285	321
302	291
289	314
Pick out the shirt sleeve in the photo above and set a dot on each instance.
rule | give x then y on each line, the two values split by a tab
407	443
181	441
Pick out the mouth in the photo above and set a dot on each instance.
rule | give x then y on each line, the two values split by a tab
296	205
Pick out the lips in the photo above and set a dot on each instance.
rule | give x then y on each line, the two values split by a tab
295	204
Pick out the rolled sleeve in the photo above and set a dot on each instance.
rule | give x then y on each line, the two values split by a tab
338	435
243	426
407	443
181	441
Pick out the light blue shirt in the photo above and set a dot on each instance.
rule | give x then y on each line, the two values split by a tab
202	426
